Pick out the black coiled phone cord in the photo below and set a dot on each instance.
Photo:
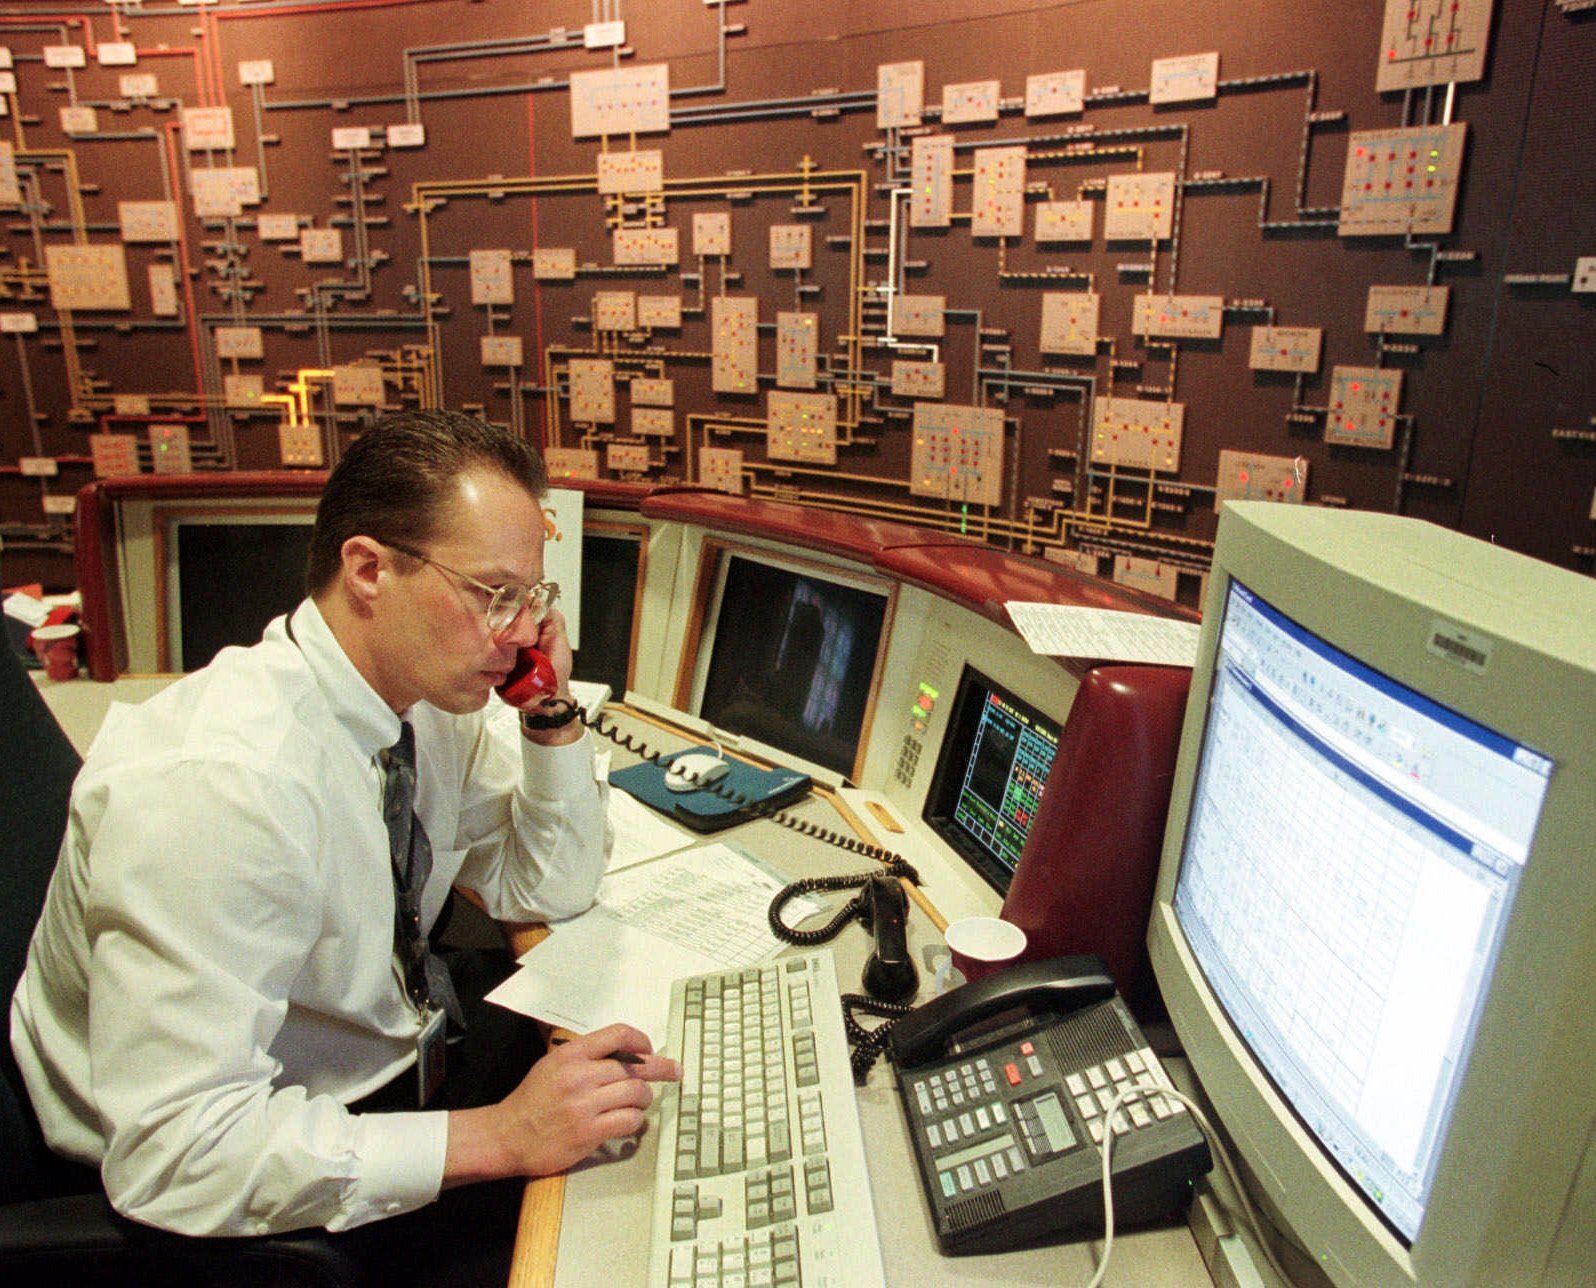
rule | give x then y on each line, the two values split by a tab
868	1044
893	866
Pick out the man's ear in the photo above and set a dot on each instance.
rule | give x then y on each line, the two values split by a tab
363	563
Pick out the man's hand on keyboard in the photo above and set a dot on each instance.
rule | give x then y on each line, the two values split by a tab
571	1101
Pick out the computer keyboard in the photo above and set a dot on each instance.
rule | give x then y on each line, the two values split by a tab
761	1177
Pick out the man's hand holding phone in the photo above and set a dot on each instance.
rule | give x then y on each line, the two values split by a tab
537	687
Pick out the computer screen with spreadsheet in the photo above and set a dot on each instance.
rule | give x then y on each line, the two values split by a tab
1361	923
989	776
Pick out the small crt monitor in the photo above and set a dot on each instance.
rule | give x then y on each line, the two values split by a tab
1373	926
989	776
792	658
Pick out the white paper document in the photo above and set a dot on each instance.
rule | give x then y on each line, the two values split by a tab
696	910
1069	630
641	833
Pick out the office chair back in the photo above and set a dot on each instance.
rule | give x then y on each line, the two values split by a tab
37	766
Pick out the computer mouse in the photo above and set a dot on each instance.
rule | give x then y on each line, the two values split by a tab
695	769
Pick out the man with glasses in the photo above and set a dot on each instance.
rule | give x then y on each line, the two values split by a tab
232	984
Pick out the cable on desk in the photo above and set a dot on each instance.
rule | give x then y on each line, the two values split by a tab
1215	1145
753	809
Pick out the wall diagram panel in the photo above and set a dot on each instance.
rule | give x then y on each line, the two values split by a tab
721	468
931	181
1064	221
734	321
1055	93
1363	406
88	277
958	453
1407	310
802	427
1431	42
659	312
1247	476
620	101
918	379
1285	348
623	172
919	315
972	101
1358	256
1069	322
1139	207
1185	79
900	94
491	282
593	390
797	346
1186	317
999	197
1402	181
1136	433
615	310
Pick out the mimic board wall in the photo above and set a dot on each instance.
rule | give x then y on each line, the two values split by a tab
1062	277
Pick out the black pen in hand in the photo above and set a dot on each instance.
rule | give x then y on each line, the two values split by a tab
625	1057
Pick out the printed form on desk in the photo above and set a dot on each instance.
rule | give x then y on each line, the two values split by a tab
696	910
1069	630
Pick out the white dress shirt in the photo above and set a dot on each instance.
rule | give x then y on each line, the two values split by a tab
213	978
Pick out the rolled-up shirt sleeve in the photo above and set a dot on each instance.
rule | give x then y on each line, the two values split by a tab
534	821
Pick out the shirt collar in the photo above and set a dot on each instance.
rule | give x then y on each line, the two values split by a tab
352	701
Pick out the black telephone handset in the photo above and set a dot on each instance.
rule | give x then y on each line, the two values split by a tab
1057	986
889	975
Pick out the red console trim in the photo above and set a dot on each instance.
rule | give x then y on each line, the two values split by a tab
850	535
984	579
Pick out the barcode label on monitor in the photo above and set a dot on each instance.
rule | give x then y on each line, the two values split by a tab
1458	645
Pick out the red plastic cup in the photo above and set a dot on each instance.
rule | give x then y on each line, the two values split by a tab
56	647
981	946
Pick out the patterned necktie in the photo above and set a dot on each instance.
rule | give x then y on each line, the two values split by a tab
426	977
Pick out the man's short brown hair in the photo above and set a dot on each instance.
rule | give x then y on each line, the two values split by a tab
396	479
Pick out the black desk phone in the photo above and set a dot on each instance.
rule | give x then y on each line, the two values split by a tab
1006	1084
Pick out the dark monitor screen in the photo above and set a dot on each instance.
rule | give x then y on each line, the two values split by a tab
232	579
609	595
989	777
792	660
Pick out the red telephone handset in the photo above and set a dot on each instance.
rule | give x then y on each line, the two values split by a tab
532	676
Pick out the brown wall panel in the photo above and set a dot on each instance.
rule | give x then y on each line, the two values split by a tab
1495	433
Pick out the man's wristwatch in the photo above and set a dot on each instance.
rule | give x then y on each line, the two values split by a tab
555	713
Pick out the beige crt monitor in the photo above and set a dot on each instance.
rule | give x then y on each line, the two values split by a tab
1375	919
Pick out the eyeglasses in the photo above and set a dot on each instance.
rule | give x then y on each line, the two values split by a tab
506	602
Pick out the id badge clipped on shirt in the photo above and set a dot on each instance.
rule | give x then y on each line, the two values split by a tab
431	1054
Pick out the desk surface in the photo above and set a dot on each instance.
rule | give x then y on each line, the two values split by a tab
602	1208
604	1224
